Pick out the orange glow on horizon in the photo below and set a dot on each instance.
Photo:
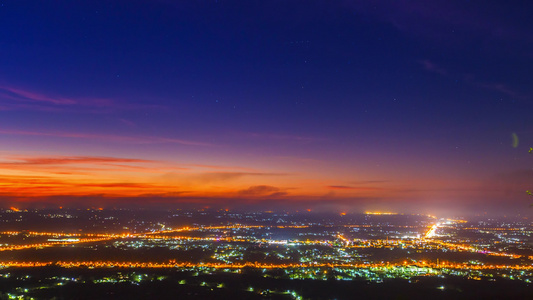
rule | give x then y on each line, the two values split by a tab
29	179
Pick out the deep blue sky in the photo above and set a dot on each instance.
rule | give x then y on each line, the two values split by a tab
408	92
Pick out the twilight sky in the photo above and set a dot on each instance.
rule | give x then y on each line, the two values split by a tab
408	106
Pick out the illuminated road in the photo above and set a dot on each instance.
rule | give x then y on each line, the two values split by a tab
431	231
173	264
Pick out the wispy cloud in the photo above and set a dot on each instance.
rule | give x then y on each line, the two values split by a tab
87	166
499	87
439	19
73	160
30	99
357	188
433	67
285	137
369	182
300	159
210	177
220	180
262	191
127	122
107	137
25	99
124	185
217	167
43	186
23	95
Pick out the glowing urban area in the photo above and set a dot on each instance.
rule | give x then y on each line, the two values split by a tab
200	247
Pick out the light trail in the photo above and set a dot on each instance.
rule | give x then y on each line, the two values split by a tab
345	240
173	264
236	226
431	232
473	249
51	244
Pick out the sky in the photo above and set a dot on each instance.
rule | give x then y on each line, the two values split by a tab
403	106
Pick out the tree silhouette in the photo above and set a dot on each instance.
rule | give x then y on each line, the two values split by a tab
528	191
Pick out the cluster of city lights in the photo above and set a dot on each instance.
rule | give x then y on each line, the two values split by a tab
428	240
